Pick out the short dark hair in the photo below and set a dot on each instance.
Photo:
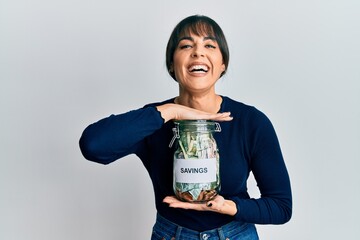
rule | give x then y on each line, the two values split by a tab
198	25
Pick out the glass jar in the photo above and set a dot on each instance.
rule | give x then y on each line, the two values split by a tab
196	175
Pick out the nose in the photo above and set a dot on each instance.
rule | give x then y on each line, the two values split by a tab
197	52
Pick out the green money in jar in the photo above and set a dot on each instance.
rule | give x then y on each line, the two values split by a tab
196	175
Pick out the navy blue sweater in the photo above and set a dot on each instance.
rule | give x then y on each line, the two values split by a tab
247	143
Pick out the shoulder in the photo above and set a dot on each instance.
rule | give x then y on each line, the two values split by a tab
239	108
243	111
154	104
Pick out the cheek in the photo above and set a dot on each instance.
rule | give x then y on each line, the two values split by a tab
177	57
221	66
178	72
176	62
220	62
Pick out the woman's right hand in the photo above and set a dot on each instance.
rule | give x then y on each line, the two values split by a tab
173	111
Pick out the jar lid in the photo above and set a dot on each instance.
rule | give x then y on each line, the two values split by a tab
198	125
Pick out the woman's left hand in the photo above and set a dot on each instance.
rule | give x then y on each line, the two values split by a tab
218	204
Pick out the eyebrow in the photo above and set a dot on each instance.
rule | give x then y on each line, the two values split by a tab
192	39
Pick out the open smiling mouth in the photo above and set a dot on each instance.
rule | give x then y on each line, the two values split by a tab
198	68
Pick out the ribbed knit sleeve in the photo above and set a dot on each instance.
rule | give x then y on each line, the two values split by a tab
119	135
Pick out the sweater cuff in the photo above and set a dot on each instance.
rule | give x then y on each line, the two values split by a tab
159	115
238	210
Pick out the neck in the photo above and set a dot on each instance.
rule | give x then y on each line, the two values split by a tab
208	103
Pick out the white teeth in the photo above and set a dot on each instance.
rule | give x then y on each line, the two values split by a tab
198	67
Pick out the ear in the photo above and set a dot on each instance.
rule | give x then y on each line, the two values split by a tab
223	67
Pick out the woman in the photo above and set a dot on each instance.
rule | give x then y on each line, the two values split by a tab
196	57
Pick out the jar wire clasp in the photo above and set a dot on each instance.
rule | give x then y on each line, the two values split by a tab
176	134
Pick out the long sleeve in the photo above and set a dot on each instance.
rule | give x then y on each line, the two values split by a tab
247	143
119	135
268	166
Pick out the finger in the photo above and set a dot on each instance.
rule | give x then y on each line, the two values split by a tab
175	203
216	204
187	205
225	116
170	199
183	205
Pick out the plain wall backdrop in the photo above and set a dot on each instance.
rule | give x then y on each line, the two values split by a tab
65	64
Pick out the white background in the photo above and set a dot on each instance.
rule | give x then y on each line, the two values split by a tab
65	64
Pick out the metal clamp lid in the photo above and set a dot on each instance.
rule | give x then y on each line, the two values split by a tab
177	135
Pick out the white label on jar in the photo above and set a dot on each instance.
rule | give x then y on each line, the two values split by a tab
195	170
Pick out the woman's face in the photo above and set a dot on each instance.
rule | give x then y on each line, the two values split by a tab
197	63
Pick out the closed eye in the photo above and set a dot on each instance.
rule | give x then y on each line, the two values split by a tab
185	46
210	46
